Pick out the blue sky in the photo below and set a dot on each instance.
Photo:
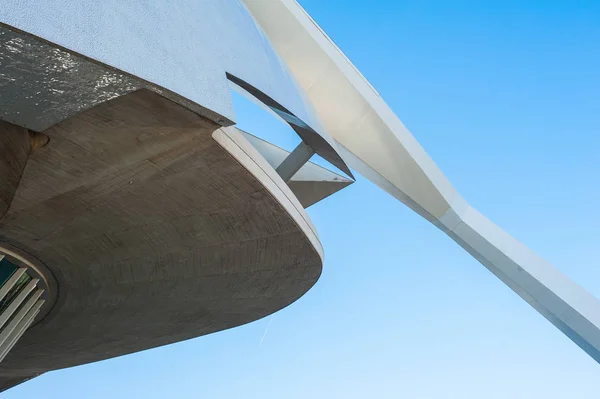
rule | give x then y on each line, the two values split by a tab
504	95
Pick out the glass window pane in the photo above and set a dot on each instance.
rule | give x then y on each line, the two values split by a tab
6	270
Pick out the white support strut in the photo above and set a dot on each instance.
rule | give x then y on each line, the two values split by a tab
375	143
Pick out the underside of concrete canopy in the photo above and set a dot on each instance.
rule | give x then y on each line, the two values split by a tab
149	217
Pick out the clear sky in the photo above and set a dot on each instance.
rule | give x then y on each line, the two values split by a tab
505	97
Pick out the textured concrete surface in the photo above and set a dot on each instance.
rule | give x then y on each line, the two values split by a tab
155	233
42	84
14	151
183	46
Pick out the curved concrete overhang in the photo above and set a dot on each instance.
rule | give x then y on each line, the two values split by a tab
158	226
182	50
375	143
156	222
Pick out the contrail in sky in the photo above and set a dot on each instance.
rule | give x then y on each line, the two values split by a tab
265	333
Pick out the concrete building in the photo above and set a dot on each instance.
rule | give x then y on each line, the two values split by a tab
133	212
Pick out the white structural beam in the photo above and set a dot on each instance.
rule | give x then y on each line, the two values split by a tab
12	328
377	145
16	303
295	161
20	312
11	281
20	329
311	184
